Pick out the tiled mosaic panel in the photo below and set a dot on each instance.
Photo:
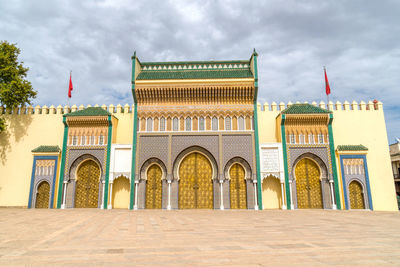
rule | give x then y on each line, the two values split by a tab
195	188
43	196
237	187
153	187
356	196
238	146
152	147
87	186
73	154
208	142
308	185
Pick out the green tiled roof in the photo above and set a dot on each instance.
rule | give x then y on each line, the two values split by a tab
91	111
304	109
195	74
352	148
46	149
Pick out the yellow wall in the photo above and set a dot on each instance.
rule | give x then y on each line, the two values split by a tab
27	131
367	127
353	124
120	193
24	133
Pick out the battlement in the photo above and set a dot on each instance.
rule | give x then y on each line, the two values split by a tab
338	106
43	110
274	107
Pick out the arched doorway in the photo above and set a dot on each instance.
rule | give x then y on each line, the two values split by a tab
42	195
195	182
120	194
237	187
308	185
87	185
356	196
271	193
154	187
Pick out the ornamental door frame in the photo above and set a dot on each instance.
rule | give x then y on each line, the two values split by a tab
248	179
364	183
364	194
323	176
202	151
100	193
36	192
71	182
36	181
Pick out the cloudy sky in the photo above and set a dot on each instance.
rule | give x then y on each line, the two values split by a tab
358	42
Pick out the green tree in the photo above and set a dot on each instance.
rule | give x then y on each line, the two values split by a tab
15	90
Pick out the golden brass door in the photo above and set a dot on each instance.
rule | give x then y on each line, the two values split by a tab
42	196
195	184
87	185
154	187
308	185
356	196
237	187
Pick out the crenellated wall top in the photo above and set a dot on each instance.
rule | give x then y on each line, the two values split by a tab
345	106
119	109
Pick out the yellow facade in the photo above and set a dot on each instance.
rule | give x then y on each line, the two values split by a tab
352	124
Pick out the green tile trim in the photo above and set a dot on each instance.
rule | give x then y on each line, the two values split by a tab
352	148
64	150
90	111
256	141
304	109
182	63
49	149
333	160
133	163
285	163
109	140
195	74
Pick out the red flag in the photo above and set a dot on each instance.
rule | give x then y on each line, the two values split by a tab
70	88
327	88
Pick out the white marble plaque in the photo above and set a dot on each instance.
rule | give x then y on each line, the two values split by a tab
270	159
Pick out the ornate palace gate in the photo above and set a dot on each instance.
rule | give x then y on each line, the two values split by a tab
154	187
308	185
87	185
43	195
195	182
237	187
356	196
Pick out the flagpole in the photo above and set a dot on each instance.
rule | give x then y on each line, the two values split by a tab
327	95
70	75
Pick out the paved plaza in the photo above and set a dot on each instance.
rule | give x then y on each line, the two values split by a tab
198	237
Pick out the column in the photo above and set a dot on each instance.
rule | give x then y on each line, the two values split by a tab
221	182
283	194
169	195
109	202
102	194
135	206
291	195
332	195
255	195
64	194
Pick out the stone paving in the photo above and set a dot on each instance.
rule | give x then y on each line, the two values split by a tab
86	237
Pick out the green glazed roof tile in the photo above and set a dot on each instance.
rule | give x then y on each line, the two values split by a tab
304	109
195	74
46	149
91	111
352	148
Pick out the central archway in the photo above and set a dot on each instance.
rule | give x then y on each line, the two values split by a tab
195	182
120	193
308	185
87	185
